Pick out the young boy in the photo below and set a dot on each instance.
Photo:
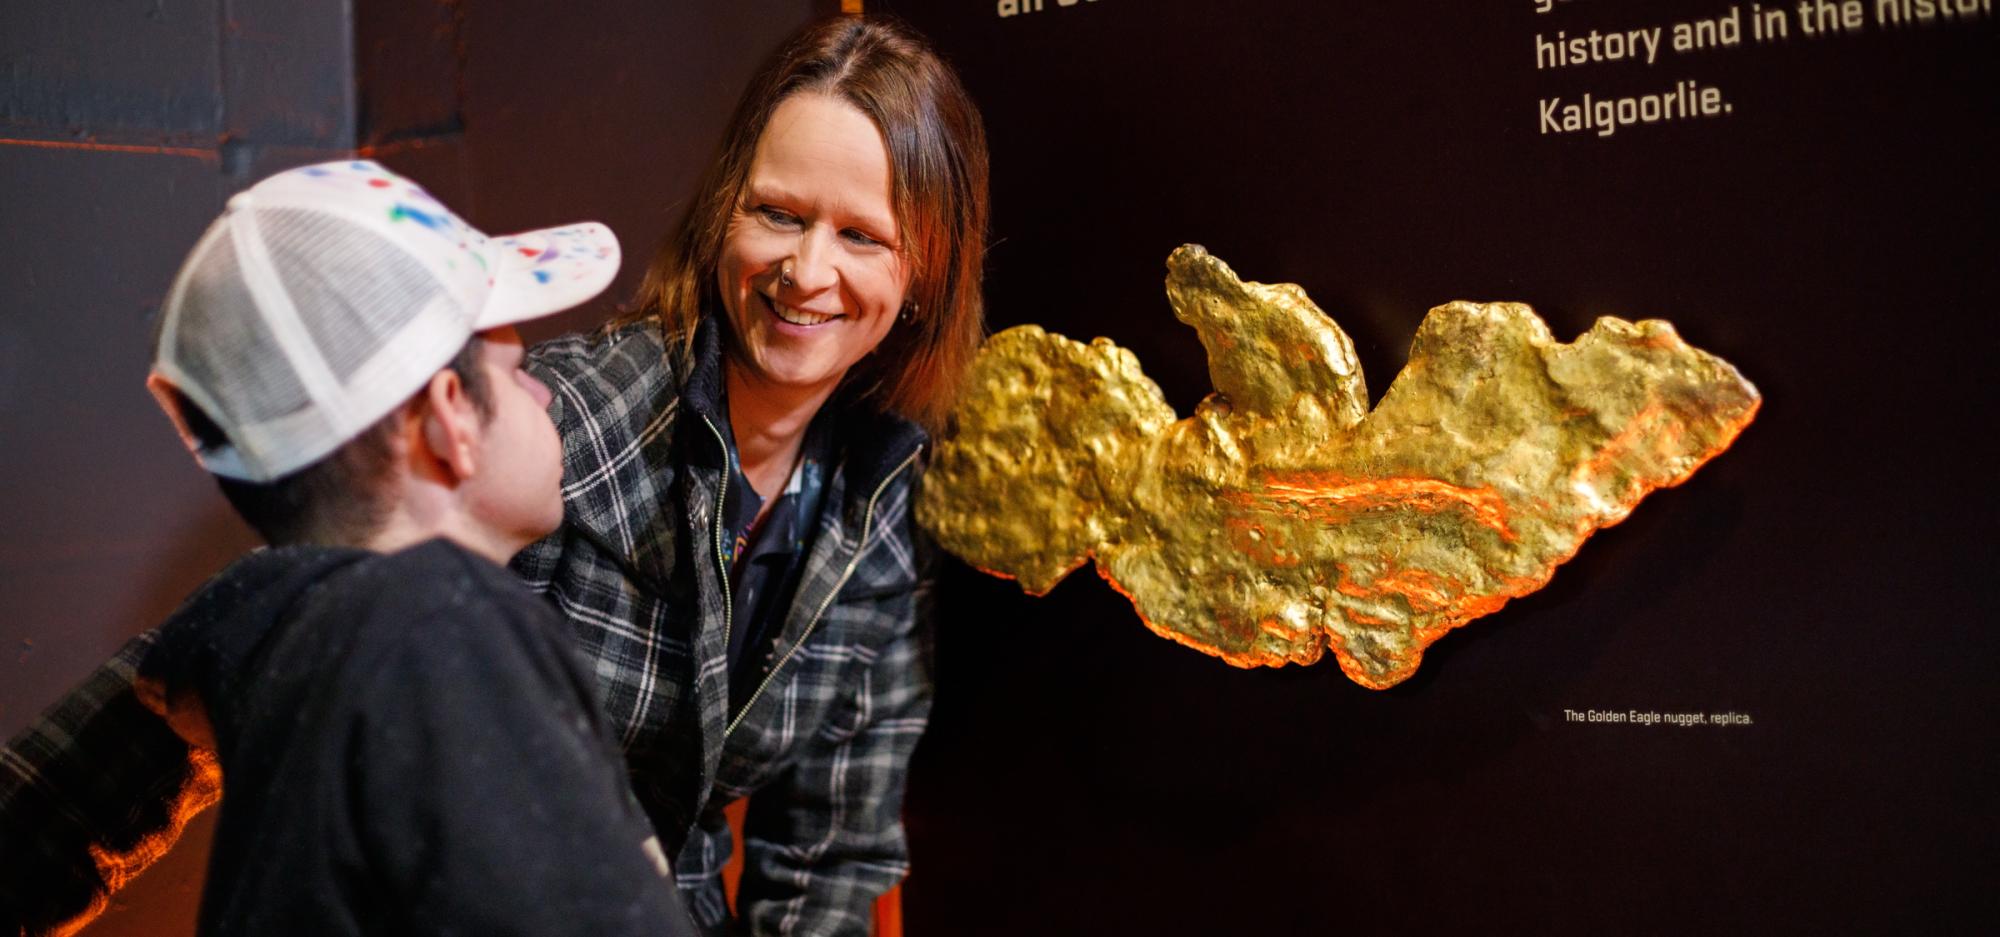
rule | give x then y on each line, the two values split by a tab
407	742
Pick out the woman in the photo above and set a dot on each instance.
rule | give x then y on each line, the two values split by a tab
738	553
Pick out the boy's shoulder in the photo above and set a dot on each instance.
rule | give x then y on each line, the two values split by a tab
428	595
434	574
284	622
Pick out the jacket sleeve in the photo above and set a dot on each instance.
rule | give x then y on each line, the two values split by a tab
825	839
90	795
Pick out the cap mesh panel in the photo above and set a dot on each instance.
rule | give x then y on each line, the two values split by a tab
352	288
223	346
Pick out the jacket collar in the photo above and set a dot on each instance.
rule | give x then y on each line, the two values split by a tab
872	443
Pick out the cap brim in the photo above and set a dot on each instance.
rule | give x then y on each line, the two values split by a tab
540	273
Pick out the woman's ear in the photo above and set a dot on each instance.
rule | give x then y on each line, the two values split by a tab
451	425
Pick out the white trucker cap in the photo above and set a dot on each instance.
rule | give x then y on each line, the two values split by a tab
326	296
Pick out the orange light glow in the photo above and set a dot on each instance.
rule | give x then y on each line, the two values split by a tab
210	154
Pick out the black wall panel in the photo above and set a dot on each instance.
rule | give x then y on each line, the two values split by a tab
1832	234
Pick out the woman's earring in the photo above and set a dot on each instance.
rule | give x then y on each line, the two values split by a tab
908	314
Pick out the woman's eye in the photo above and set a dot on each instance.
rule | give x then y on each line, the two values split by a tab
862	238
778	216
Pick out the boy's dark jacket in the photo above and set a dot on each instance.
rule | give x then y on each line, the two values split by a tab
408	745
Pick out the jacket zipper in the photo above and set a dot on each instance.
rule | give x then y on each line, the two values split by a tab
722	564
867	517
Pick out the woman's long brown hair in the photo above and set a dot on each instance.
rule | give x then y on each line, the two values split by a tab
938	166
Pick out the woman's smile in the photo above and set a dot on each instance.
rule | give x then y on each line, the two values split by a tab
792	315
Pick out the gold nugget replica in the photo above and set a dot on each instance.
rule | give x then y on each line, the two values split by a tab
1283	518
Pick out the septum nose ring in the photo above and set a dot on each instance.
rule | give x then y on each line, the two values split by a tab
785	275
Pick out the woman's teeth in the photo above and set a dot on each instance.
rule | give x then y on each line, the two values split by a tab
799	316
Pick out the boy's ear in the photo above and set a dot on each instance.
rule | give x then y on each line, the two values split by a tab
169	398
451	425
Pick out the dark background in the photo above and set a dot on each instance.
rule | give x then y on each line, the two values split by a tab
1834	237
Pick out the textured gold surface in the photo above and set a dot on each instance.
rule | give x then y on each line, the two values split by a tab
1283	518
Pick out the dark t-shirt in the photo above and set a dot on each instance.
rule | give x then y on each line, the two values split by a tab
408	745
767	558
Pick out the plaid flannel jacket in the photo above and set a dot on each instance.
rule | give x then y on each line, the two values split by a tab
99	787
637	567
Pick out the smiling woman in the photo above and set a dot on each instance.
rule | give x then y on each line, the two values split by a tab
738	553
812	276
